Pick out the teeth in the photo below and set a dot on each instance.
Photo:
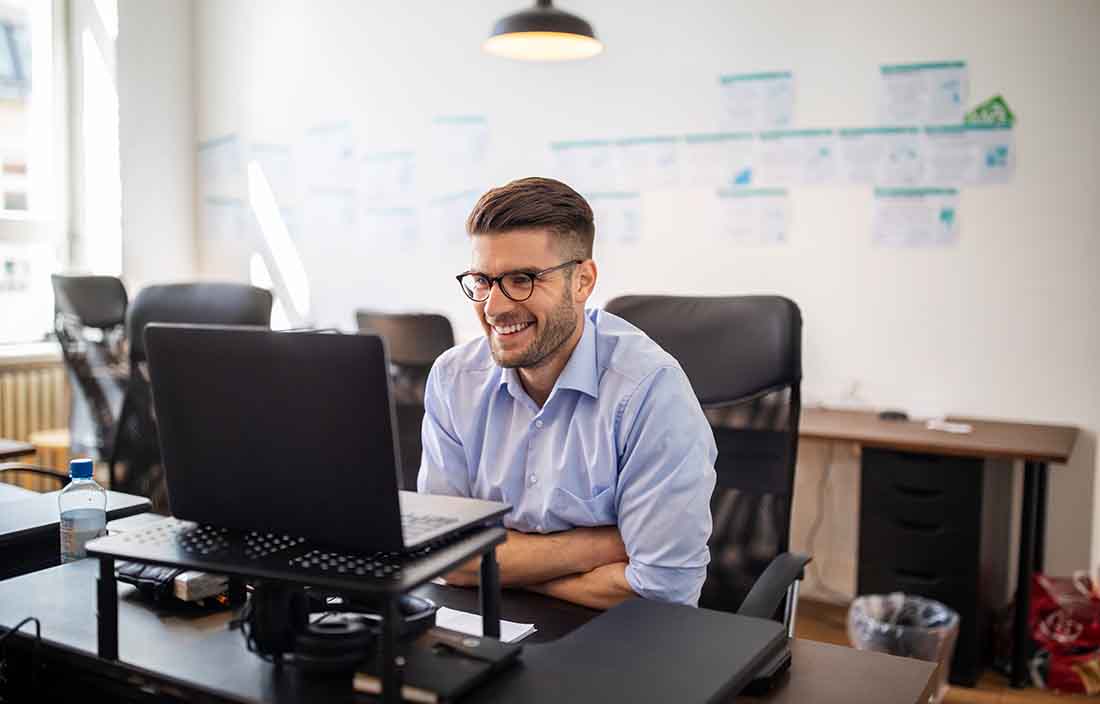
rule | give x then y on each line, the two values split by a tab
510	329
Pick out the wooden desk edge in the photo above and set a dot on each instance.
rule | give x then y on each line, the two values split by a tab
931	446
917	447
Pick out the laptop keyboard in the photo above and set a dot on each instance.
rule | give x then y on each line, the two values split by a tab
416	525
211	542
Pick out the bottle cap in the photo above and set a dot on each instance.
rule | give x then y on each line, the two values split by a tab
80	469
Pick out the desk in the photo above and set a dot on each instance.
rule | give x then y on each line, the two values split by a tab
12	449
1036	445
30	537
193	656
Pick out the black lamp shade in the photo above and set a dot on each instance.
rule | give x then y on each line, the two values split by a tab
543	33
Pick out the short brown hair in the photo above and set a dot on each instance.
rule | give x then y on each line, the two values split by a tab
536	203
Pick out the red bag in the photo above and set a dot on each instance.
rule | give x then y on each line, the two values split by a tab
1065	623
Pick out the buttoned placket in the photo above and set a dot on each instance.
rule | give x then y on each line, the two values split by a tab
532	458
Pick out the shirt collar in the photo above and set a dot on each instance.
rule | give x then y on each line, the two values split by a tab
580	372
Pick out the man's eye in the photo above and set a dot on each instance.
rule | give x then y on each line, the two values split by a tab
519	280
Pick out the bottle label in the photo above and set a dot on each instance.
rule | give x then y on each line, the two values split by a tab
77	528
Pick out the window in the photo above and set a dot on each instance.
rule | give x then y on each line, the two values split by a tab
32	189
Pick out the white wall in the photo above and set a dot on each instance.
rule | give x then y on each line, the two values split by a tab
1002	325
157	128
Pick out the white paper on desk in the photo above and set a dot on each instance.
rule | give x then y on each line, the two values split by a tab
470	624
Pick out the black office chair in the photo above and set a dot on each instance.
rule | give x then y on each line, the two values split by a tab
414	341
743	356
136	442
89	321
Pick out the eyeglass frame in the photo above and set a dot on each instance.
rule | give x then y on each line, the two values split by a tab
498	280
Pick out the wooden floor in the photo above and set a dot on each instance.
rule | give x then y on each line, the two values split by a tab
827	623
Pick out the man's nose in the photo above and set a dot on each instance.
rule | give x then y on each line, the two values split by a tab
497	303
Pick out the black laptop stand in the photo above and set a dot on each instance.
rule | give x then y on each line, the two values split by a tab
382	578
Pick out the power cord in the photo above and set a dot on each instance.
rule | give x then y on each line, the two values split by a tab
34	650
815	527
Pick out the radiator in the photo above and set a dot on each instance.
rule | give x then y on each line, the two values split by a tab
34	397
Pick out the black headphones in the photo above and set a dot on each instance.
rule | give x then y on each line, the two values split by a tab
276	621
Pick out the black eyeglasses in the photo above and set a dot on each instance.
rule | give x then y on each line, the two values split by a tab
516	285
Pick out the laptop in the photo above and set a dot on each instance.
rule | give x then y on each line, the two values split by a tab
291	433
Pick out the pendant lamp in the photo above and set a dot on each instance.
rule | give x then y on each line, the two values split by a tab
543	33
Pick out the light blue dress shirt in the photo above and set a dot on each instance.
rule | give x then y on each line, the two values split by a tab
621	440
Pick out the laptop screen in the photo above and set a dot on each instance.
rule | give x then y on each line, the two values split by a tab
286	433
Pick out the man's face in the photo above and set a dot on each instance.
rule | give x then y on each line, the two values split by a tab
525	333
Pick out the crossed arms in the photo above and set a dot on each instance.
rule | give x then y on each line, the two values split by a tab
584	565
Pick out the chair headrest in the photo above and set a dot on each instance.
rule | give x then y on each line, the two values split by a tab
200	303
730	347
96	301
412	339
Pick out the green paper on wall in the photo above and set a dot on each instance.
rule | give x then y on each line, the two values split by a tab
994	111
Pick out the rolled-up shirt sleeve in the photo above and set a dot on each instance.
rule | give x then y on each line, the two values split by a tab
443	467
666	476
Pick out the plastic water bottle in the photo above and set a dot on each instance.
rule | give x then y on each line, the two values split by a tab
83	505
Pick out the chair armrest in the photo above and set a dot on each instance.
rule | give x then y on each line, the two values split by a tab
771	586
62	478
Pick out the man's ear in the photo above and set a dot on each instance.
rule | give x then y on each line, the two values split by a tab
584	280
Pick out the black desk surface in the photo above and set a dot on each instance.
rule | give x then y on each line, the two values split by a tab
183	647
30	518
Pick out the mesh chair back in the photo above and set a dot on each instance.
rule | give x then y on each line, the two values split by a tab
414	341
743	357
89	321
137	444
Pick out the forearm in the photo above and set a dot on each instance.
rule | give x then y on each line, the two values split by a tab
601	588
528	558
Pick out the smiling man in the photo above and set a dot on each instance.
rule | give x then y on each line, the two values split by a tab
574	417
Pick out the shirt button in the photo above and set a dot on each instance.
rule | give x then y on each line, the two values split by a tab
532	480
538	423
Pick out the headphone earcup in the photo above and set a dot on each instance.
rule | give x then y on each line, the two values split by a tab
332	646
277	614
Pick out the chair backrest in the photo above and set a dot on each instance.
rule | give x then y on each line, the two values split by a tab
743	356
206	303
414	341
137	444
96	301
89	321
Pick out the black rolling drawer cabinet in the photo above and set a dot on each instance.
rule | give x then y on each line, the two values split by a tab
938	527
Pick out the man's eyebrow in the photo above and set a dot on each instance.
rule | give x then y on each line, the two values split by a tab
524	270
